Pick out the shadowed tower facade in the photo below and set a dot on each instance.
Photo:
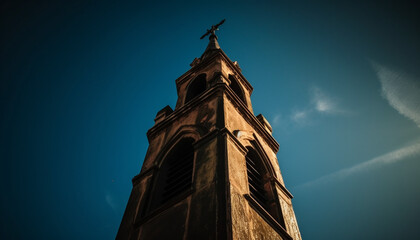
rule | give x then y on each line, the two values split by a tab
211	170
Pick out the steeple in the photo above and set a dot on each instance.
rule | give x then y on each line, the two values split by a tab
213	44
211	47
211	170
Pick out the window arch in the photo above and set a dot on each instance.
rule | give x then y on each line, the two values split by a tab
260	186
196	87
175	173
234	85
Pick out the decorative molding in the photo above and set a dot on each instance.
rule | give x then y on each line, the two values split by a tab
185	131
265	122
163	113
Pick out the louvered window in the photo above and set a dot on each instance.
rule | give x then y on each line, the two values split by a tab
175	174
260	188
179	176
256	179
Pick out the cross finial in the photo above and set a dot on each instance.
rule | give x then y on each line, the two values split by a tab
213	29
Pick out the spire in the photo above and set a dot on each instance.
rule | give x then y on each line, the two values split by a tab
211	47
213	44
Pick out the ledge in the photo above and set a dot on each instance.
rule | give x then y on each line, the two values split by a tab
283	188
267	217
140	176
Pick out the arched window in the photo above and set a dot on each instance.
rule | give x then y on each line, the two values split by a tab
260	188
175	174
234	85
196	87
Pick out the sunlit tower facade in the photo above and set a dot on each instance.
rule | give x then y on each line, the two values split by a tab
211	170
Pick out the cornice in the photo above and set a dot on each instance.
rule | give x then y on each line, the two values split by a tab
243	110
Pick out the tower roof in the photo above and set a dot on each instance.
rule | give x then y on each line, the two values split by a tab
211	47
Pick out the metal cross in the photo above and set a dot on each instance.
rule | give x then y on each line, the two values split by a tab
213	29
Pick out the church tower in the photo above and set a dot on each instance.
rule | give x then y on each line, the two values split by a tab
211	170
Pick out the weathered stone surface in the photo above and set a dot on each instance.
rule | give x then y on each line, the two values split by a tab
240	221
260	229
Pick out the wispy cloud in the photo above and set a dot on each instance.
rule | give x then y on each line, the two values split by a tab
388	158
322	102
300	116
401	92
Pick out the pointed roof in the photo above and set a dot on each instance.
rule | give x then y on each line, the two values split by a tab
211	47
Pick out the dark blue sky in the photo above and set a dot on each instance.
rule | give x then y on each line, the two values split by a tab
81	82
